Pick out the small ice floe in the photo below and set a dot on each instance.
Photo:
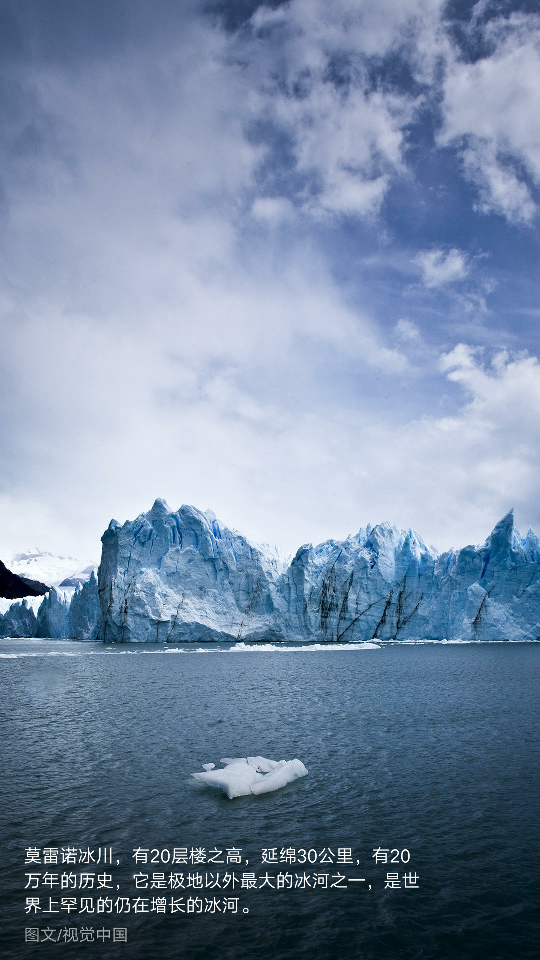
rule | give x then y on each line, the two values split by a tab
244	775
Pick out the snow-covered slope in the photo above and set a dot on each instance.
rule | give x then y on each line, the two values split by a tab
12	586
47	568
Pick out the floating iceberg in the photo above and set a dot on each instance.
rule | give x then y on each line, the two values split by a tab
283	774
245	775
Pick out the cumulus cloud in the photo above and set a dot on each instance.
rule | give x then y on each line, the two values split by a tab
490	111
440	267
310	67
310	62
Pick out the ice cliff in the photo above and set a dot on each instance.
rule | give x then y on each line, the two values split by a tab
84	614
183	576
56	615
171	576
387	583
19	620
176	576
71	608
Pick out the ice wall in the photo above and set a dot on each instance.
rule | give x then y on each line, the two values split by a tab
52	616
84	614
57	616
386	583
18	621
171	576
184	576
371	584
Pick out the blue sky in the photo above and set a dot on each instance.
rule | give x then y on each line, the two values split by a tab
280	261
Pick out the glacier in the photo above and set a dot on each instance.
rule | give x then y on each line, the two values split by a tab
172	576
71	608
182	576
61	614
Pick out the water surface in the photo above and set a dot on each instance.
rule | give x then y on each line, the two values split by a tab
432	749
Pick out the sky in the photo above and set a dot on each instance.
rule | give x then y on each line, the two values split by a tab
280	261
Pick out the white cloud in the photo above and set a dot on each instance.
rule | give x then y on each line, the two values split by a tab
308	60
146	346
407	331
272	210
307	65
440	267
139	420
347	146
500	188
490	112
159	341
311	29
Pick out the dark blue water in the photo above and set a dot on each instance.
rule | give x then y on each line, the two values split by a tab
429	749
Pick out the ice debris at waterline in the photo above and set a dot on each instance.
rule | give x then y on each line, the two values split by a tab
172	577
245	775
